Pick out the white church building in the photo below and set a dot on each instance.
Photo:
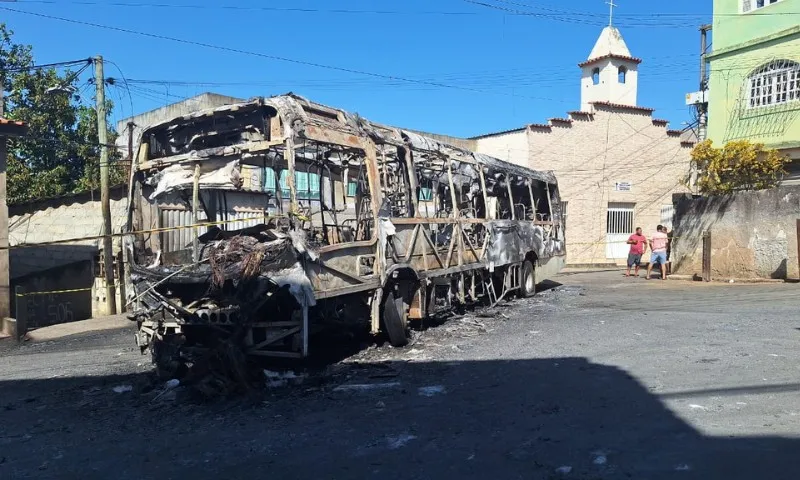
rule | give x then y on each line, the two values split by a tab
617	166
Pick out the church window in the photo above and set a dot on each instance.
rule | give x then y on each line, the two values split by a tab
621	73
596	76
775	83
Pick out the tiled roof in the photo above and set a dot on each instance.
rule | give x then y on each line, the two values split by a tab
624	107
540	125
610	55
578	113
12	128
5	121
659	121
560	120
674	133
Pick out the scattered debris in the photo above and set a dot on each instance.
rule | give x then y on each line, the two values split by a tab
365	387
600	460
697	407
168	393
278	379
122	389
564	470
431	391
682	468
399	441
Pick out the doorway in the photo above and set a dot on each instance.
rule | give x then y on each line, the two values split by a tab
619	226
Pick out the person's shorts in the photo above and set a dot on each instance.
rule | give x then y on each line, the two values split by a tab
634	259
658	257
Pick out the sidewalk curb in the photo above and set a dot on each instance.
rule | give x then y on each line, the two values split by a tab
696	278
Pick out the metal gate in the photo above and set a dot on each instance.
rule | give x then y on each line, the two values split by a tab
619	226
667	212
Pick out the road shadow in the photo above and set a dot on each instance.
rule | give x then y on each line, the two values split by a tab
410	420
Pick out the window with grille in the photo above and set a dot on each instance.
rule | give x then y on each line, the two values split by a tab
751	5
619	219
775	83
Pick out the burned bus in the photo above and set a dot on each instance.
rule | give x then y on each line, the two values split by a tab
259	223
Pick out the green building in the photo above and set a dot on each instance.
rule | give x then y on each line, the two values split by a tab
754	80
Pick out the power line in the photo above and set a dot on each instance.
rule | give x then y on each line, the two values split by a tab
270	57
577	17
251	8
639	16
69	63
551	11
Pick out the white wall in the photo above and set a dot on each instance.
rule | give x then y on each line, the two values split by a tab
511	147
609	89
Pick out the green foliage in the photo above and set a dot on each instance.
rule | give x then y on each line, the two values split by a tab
738	165
61	153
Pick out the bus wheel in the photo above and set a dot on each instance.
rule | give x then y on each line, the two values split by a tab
528	287
395	317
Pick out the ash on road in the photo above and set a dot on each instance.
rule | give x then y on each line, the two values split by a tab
600	378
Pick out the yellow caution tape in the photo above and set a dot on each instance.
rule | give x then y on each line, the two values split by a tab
56	292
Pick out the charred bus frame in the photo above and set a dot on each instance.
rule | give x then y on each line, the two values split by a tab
256	222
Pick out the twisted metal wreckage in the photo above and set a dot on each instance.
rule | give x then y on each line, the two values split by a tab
277	216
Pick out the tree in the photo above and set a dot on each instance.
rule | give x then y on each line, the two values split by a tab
61	152
738	165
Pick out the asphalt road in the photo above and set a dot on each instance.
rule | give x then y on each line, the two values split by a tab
600	378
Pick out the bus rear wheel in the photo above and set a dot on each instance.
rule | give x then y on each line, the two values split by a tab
528	287
395	318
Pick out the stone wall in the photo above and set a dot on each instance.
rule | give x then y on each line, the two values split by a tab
63	218
74	216
753	234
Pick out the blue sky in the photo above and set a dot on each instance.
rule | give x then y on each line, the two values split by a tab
498	64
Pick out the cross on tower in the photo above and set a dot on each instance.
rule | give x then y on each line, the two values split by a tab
611	6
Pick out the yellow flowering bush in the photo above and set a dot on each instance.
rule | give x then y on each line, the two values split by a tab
738	165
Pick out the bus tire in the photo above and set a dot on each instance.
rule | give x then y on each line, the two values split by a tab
395	318
528	287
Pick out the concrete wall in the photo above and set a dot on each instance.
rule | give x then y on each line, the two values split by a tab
34	311
753	234
730	116
594	152
76	216
742	43
731	27
184	107
511	147
465	143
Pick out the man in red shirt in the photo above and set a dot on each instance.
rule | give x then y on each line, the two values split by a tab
658	245
638	244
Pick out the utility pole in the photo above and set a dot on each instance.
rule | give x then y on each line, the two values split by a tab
5	282
702	107
105	201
